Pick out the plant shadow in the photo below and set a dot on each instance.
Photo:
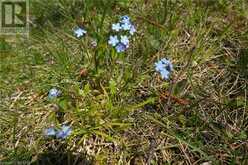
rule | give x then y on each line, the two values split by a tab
62	158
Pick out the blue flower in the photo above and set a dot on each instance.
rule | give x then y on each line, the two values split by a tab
132	30
126	26
64	132
125	40
159	66
164	74
168	64
116	27
125	19
120	47
113	40
50	132
53	93
164	67
79	32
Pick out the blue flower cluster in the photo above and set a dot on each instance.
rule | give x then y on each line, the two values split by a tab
62	133
121	43
164	67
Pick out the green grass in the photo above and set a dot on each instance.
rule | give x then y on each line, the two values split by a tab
120	110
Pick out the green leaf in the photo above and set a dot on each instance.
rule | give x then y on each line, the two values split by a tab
182	119
112	87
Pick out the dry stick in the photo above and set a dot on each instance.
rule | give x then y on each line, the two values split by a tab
151	151
15	100
178	100
152	147
184	151
151	22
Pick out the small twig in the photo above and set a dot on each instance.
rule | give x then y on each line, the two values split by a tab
151	22
178	100
15	100
186	155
